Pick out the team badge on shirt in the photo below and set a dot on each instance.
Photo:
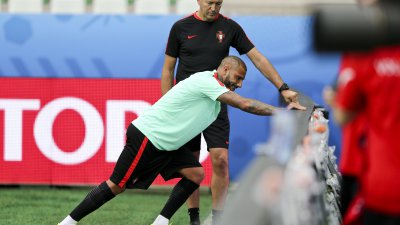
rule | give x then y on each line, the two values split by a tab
220	36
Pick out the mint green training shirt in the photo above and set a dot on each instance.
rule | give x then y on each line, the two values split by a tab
183	112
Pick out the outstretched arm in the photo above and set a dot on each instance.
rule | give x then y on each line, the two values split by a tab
246	104
167	74
265	67
269	72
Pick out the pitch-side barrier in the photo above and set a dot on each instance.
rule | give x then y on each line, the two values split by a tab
294	180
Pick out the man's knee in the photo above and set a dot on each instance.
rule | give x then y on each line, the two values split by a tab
115	188
219	158
198	175
195	174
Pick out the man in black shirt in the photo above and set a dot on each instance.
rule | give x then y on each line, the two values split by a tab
200	42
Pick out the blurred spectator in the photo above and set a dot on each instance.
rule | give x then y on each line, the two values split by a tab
365	106
371	87
353	141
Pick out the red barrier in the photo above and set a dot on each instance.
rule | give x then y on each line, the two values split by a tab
68	131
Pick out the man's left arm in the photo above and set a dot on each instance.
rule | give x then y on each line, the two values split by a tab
269	72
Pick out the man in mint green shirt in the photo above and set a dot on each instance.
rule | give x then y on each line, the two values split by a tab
155	137
184	112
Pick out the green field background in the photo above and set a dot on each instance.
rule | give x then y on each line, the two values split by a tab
38	205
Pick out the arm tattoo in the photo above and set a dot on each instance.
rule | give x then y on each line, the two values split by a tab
246	104
260	108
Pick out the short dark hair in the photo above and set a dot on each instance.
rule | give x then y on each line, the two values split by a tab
236	61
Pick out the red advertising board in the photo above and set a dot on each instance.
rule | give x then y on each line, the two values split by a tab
69	131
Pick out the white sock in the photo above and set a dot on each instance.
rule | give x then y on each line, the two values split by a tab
160	220
68	221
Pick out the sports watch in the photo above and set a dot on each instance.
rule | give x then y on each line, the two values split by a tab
284	87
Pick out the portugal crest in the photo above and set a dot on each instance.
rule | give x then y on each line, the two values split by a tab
220	36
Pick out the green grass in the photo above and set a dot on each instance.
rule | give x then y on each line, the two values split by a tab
44	205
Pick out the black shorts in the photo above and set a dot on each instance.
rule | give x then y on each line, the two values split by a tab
140	162
216	135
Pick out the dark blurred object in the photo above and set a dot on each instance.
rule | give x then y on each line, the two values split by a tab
325	112
356	28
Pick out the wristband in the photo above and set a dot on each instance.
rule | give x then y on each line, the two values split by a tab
284	87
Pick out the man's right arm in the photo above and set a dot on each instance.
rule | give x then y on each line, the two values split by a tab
167	74
247	104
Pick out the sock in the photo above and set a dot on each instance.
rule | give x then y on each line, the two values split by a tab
180	193
194	214
216	216
161	220
96	198
68	221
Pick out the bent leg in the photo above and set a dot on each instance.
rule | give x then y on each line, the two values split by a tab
195	174
193	200
96	198
182	190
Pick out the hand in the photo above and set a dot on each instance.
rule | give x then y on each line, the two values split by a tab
295	105
291	97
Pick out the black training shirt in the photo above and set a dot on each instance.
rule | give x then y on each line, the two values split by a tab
201	46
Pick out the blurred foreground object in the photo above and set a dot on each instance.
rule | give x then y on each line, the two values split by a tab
356	28
294	179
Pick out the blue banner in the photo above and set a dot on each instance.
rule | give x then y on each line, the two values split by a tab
129	46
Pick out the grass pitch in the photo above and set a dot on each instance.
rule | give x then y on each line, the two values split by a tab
45	205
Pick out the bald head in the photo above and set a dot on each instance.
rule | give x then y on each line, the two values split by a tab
234	62
232	72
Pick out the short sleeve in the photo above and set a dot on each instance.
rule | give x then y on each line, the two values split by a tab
211	87
350	94
240	41
172	48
